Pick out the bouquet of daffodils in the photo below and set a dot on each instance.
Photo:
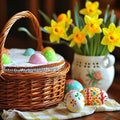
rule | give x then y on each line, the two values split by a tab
87	33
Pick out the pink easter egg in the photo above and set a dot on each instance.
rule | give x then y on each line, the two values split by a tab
38	58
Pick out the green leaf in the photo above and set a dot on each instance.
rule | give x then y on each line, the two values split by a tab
118	23
113	17
42	29
23	29
107	14
89	75
54	16
79	22
77	49
45	16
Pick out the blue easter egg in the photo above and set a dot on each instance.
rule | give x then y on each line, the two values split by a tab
29	52
73	85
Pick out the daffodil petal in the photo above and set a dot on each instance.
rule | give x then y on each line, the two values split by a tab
104	40
84	41
72	44
111	48
53	22
87	19
69	14
118	45
118	29
54	38
91	9
76	29
48	29
83	11
88	3
105	31
112	26
96	4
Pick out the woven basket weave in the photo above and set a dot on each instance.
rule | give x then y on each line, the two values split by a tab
30	91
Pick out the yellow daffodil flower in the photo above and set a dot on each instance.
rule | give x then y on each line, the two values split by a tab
56	31
66	18
112	37
78	37
91	9
92	25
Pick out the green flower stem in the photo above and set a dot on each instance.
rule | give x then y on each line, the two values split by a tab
91	47
80	51
105	51
95	47
96	44
86	50
98	47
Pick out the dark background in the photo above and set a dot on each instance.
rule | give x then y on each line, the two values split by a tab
10	7
20	40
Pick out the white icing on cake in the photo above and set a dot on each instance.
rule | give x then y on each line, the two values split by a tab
20	62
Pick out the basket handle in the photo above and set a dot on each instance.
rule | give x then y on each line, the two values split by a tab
11	21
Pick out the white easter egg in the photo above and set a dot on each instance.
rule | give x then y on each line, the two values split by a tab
74	101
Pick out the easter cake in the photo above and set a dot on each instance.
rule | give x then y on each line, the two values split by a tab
29	60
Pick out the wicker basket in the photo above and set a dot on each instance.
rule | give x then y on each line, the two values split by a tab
30	91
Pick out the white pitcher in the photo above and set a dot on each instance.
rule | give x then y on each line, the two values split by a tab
97	71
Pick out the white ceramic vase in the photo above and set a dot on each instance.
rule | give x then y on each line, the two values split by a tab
97	71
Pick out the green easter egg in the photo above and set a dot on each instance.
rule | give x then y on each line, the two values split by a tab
6	59
49	54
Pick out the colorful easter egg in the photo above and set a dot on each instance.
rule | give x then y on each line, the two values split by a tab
6	59
38	58
29	52
94	96
72	84
49	54
74	101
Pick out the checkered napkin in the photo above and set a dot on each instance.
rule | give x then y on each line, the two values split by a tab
60	112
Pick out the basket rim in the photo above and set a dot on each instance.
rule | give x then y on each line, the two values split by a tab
23	76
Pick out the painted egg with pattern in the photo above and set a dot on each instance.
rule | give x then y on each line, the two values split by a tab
74	101
94	96
72	84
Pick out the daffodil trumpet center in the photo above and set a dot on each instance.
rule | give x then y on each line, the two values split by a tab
93	27
113	38
78	37
57	30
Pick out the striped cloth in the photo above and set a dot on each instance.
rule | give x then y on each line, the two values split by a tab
59	112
